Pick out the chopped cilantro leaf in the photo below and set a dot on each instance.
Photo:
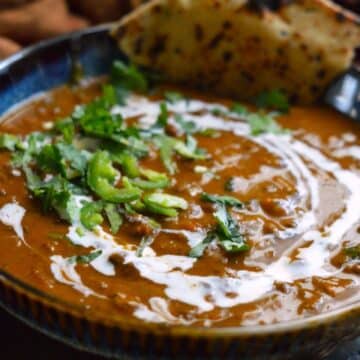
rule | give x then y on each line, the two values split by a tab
198	250
49	159
109	96
218	112
128	77
189	149
188	127
73	158
262	123
145	242
239	109
62	158
273	99
86	259
230	237
163	117
9	142
131	143
172	96
96	120
353	252
222	199
166	149
56	193
212	133
67	128
114	217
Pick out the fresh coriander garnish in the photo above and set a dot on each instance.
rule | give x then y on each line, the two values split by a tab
273	99
188	127
212	133
9	142
146	241
239	109
226	232
114	217
165	145
229	235
85	259
222	199
264	123
198	250
173	96
218	111
260	122
189	149
353	252
168	146
56	193
128	77
67	128
162	119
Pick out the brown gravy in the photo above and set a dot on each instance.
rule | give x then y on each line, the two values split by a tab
299	192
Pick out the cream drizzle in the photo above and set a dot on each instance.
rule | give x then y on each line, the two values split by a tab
64	271
12	214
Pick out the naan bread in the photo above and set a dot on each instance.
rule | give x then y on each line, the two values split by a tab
228	48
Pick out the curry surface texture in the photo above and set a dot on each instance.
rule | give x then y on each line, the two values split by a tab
301	192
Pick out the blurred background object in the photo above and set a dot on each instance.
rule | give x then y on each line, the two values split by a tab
23	22
353	5
100	10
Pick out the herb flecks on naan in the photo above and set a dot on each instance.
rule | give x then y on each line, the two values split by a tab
230	48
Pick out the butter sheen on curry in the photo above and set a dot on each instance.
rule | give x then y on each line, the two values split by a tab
292	202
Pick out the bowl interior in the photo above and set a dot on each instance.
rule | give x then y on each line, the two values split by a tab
49	64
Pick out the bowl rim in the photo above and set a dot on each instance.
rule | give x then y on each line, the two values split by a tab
62	305
5	64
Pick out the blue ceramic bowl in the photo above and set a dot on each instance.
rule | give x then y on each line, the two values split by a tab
47	65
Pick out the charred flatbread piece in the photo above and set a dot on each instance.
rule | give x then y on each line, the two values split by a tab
233	49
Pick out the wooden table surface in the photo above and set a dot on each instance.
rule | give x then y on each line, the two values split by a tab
17	340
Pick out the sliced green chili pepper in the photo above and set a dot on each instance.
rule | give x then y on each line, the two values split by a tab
101	176
129	164
164	204
155	180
